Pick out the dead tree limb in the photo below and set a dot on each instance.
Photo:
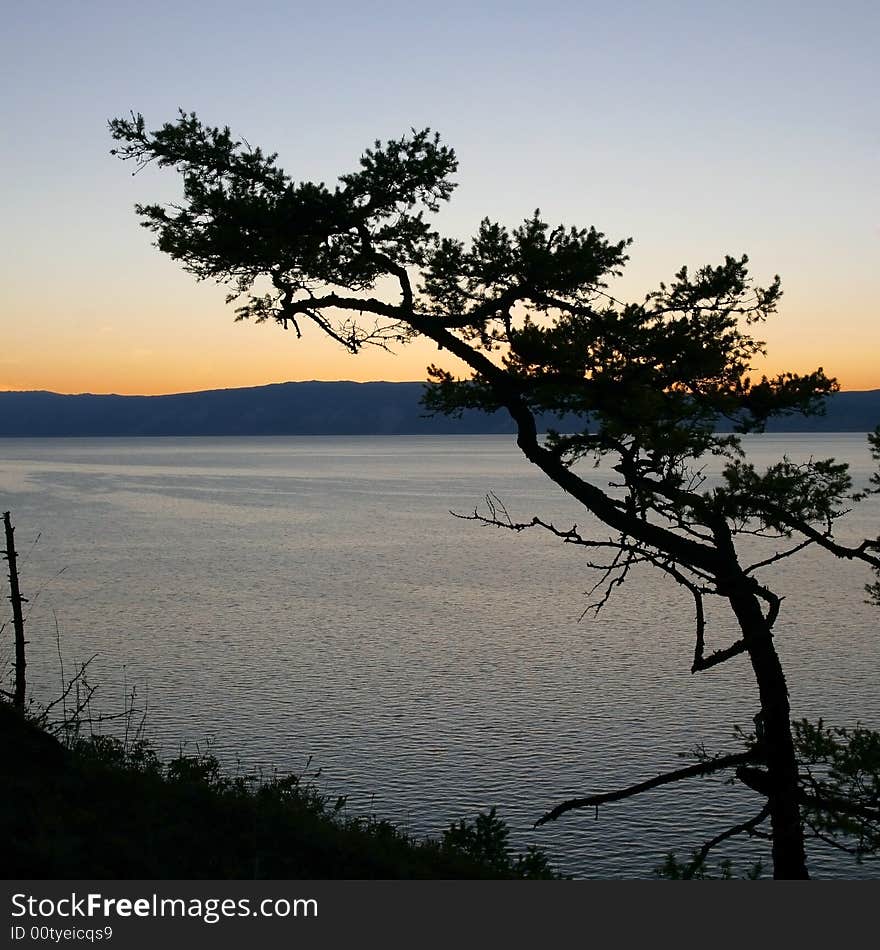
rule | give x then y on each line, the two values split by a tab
19	690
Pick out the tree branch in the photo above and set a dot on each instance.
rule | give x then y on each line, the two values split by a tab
860	552
692	771
780	555
746	826
718	656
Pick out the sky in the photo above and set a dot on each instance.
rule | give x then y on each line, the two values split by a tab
698	129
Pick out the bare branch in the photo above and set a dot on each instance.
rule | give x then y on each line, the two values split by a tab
823	539
780	555
615	573
692	771
854	851
718	656
742	828
79	679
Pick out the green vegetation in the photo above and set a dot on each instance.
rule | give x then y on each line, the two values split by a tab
102	808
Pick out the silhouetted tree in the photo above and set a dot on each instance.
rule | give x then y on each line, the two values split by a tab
529	312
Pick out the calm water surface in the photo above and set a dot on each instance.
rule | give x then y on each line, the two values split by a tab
287	598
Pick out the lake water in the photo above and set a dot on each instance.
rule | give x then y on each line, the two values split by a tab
286	598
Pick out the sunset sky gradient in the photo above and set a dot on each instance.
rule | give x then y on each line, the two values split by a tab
699	129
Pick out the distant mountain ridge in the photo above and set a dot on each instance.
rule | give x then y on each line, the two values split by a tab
313	408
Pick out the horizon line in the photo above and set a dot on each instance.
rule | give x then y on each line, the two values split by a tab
284	382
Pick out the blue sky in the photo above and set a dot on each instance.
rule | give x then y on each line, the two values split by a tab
697	128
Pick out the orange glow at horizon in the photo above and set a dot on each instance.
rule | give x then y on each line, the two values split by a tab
172	335
266	357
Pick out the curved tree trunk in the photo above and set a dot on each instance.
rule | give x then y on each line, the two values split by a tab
783	787
775	738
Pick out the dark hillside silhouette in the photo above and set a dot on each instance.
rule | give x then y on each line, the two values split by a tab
318	408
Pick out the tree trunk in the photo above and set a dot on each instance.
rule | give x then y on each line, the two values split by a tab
17	613
775	739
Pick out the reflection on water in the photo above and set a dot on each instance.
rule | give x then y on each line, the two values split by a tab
294	597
